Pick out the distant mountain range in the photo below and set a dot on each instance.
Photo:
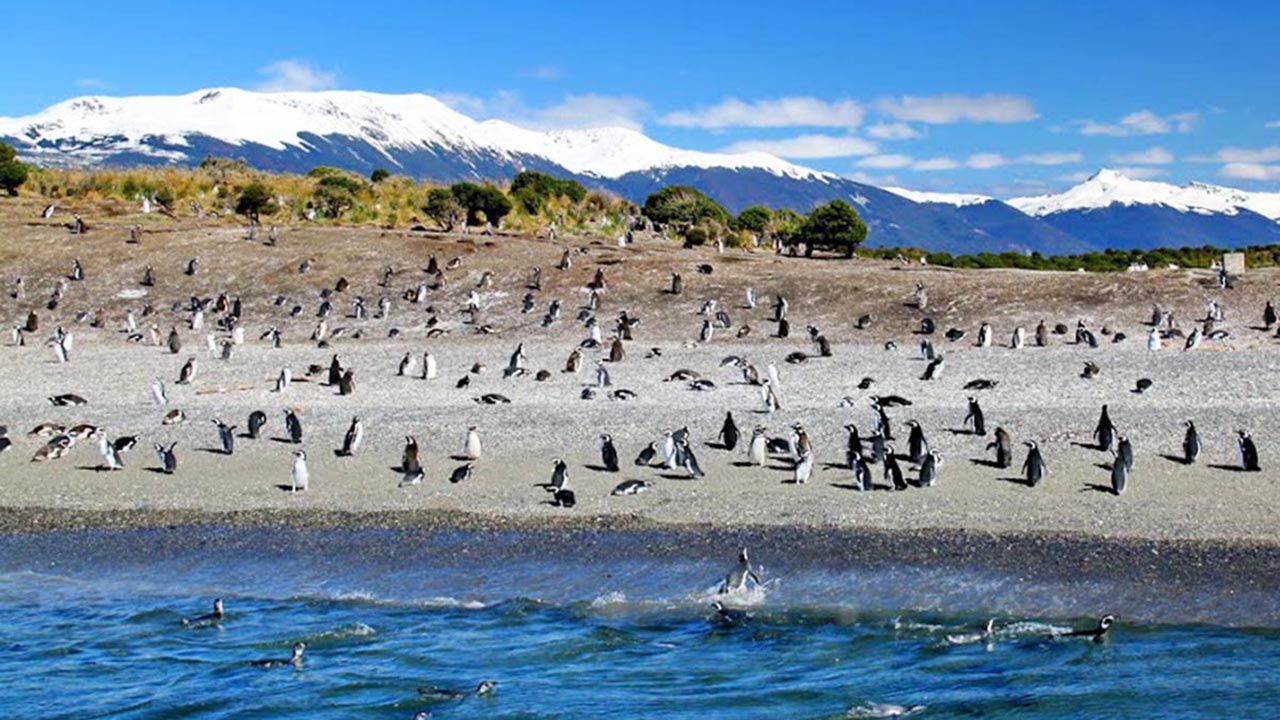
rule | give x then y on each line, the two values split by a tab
420	136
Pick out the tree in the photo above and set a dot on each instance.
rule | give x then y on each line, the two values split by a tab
12	172
442	207
833	226
378	175
533	188
165	197
253	200
481	199
684	205
755	218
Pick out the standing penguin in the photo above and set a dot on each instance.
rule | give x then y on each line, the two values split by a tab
1104	433
168	460
646	456
257	419
803	468
1019	338
1190	444
861	474
1042	335
471	448
729	434
1033	468
984	335
668	450
293	426
347	384
917	445
929	469
974	418
853	446
353	439
188	372
1124	451
226	436
892	472
736	580
608	453
933	370
300	478
690	461
757	450
1119	477
1003	446
1248	452
409	458
429	369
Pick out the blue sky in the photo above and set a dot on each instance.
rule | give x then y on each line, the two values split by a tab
1002	97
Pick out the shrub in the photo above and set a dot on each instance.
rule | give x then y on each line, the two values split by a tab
378	175
833	226
253	199
684	205
13	173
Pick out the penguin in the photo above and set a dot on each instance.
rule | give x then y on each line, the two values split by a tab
608	453
300	477
690	461
1193	340
729	434
1033	467
429	370
1269	315
411	477
1190	444
892	472
769	395
174	341
853	445
1019	338
984	335
1248	452
214	617
803	468
616	351
646	456
929	469
174	417
168	460
861	474
293	426
110	454
1042	334
736	580
188	372
257	419
574	362
409	459
353	439
668	450
226	437
632	487
462	473
1153	339
1119	476
757	450
295	660
974	418
485	688
1124	451
917	445
1104	433
67	400
471	448
933	370
1096	634
602	376
881	418
284	379
1003	445
559	476
406	365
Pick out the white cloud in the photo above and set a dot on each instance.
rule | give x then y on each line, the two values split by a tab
877	180
946	109
781	112
893	131
1139	173
1151	156
1075	177
936	163
546	72
986	161
1241	155
1050	158
295	76
1250	171
886	162
1143	122
572	112
89	83
1273	124
807	146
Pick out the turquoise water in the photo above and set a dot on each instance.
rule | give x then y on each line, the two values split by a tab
588	627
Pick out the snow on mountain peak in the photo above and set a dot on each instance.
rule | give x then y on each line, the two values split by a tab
956	199
1107	187
98	127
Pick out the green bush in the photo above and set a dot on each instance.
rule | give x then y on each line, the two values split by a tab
684	205
379	175
13	173
833	226
480	200
253	199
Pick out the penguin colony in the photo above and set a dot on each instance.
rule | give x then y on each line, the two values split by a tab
207	329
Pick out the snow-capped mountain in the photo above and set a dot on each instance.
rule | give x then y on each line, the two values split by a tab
422	137
1109	187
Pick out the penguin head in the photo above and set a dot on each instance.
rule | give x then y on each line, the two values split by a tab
298	648
742	555
1031	444
486	687
300	454
1106	622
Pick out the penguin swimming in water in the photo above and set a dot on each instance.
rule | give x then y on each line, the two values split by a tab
295	660
208	618
226	437
300	476
736	580
1190	444
729	432
608	453
974	418
729	616
257	419
1096	633
1248	451
1003	446
353	439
